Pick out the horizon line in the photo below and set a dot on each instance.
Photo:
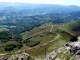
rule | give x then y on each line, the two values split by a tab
41	3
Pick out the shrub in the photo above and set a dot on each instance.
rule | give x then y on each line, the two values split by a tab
4	35
19	46
9	47
32	43
74	38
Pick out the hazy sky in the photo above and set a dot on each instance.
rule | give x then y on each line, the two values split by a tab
63	2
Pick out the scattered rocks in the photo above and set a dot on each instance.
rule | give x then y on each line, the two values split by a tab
57	59
77	57
2	58
19	56
51	55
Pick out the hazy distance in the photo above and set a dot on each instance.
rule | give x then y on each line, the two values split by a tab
61	2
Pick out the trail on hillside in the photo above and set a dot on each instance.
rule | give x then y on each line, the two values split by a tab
51	28
34	47
40	45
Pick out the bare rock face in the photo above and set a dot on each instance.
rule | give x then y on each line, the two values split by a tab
79	38
57	59
51	55
77	57
2	58
23	56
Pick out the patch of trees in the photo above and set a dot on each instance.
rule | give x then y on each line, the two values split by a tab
19	45
73	38
4	35
31	43
11	47
4	41
77	28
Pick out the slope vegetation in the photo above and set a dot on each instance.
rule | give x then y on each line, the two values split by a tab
51	36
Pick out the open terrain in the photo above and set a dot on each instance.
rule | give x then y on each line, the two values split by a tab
37	31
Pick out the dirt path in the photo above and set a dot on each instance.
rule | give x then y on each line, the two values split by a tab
33	47
51	28
40	45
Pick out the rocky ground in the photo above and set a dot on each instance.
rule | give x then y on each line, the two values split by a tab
62	53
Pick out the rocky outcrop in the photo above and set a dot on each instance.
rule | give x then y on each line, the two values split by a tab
2	58
70	51
51	55
23	56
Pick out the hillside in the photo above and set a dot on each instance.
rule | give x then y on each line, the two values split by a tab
48	32
39	31
72	28
46	41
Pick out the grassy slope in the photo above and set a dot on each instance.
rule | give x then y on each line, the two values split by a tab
44	35
68	27
37	31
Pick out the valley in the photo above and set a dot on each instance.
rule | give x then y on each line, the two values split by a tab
38	31
51	37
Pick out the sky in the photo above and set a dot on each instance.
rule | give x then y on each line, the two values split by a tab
62	2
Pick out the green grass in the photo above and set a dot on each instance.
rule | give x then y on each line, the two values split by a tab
37	31
2	45
59	42
3	29
70	25
12	26
45	36
67	55
39	36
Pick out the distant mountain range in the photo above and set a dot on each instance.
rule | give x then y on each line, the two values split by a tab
26	15
40	7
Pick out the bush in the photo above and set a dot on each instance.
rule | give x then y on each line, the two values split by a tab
32	43
9	47
74	38
4	35
19	46
4	41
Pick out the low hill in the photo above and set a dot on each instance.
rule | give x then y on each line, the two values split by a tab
51	36
72	28
48	38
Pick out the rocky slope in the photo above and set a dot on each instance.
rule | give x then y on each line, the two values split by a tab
65	52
